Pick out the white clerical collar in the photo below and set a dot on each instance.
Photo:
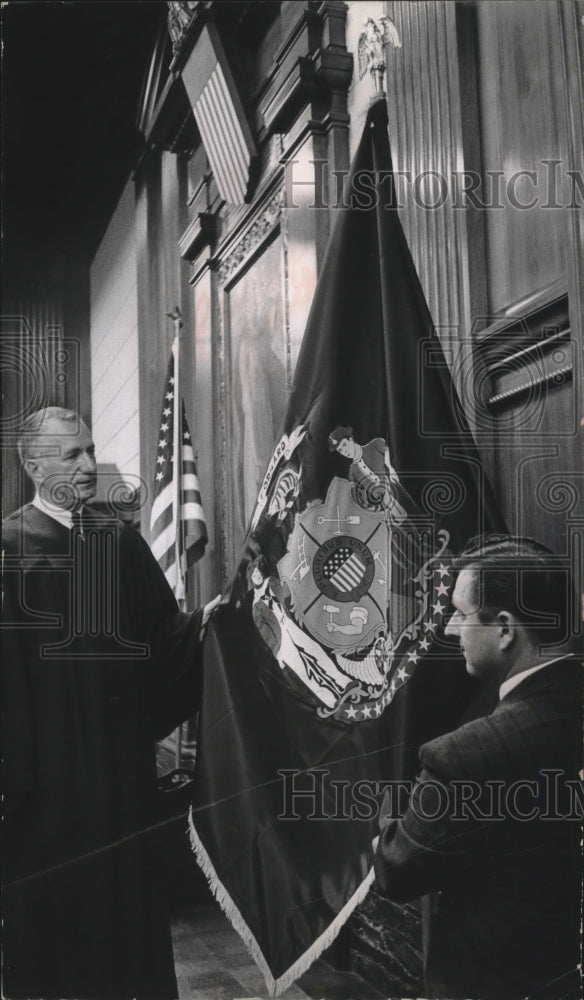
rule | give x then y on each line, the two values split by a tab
59	514
512	682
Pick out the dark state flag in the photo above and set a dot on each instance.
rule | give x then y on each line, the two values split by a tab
323	666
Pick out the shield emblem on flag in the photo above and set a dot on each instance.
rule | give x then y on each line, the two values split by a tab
336	569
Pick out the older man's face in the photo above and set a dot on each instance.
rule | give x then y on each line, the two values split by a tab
62	463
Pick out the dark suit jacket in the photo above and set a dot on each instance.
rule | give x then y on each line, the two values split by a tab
506	923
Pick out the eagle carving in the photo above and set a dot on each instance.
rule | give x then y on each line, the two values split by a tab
372	43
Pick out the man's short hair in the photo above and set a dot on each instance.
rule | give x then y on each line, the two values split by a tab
520	575
337	435
31	428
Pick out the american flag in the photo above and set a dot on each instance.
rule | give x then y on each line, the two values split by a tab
178	532
349	573
344	569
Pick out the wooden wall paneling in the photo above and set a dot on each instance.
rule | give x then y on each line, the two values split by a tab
153	340
539	488
472	162
40	367
572	42
572	47
532	362
207	418
306	217
426	137
237	329
114	343
531	111
522	124
169	224
77	381
185	292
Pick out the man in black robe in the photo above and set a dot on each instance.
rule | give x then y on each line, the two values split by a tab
98	663
493	826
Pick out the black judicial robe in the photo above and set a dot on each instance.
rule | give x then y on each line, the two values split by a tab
97	663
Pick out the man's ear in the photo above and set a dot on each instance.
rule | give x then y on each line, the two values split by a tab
507	629
34	468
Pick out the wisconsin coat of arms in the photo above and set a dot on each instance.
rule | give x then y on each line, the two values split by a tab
349	609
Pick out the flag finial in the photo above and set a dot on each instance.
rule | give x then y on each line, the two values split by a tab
176	317
371	49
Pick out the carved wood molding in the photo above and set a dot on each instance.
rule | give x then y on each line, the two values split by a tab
528	349
253	238
202	231
313	61
180	15
234	257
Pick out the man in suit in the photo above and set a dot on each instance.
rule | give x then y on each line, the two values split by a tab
483	828
98	663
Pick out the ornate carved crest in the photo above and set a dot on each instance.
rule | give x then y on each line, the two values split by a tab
180	13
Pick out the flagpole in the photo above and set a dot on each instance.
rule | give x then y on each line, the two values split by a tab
176	486
179	588
373	43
